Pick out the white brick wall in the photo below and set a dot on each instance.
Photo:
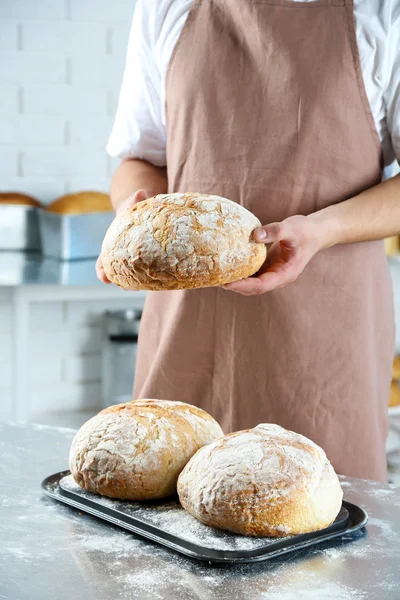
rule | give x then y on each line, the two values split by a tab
39	9
63	100
8	163
65	38
8	100
65	342
61	63
28	130
63	162
8	35
82	10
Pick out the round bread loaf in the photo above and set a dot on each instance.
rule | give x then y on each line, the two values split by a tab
135	451
265	481
181	241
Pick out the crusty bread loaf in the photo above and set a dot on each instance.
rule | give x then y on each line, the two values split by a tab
135	451
179	241
265	481
81	203
17	198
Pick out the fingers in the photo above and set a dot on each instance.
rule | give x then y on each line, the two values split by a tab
133	199
100	271
266	282
140	195
274	232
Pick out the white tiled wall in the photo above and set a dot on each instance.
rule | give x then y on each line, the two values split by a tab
65	341
61	63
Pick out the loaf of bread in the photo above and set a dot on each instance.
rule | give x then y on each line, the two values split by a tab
135	451
265	481
81	203
392	246
396	368
394	399
17	198
181	241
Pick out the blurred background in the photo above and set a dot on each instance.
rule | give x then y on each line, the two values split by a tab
67	342
61	65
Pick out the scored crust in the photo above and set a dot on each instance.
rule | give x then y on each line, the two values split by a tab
181	241
136	450
265	481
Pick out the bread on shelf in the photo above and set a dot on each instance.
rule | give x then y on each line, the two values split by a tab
81	203
392	246
16	198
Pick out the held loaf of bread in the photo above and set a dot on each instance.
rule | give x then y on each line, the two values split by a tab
265	481
181	241
135	451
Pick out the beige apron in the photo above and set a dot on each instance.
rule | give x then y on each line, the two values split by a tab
266	106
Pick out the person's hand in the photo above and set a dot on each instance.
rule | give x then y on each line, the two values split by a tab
294	242
128	203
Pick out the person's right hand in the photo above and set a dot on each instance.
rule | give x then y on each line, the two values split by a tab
128	203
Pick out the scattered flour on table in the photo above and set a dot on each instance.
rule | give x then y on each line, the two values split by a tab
123	544
173	519
326	591
333	553
387	531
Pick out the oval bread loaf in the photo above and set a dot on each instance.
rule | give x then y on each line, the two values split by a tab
135	451
181	241
265	481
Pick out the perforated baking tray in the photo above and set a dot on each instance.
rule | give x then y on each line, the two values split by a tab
166	523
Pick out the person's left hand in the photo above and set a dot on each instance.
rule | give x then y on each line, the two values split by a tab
294	242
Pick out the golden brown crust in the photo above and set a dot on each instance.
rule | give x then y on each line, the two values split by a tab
17	198
396	368
81	203
263	482
181	241
136	450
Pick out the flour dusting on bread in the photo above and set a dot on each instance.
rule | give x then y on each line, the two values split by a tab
177	241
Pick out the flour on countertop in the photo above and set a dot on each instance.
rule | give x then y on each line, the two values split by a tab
172	518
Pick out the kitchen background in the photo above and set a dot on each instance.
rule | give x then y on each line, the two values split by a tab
61	63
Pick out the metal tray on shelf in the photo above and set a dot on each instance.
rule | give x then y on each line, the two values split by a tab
19	228
168	524
73	237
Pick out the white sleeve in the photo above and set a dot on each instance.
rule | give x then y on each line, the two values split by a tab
392	91
138	130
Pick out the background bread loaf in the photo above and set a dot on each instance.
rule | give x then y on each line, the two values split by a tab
135	451
17	198
265	481
81	203
179	241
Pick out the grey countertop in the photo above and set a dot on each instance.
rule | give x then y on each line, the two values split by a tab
23	268
51	551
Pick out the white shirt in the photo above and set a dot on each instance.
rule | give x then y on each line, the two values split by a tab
139	129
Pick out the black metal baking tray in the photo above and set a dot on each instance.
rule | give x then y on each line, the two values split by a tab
166	523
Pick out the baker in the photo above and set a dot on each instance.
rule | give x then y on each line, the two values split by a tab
292	109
